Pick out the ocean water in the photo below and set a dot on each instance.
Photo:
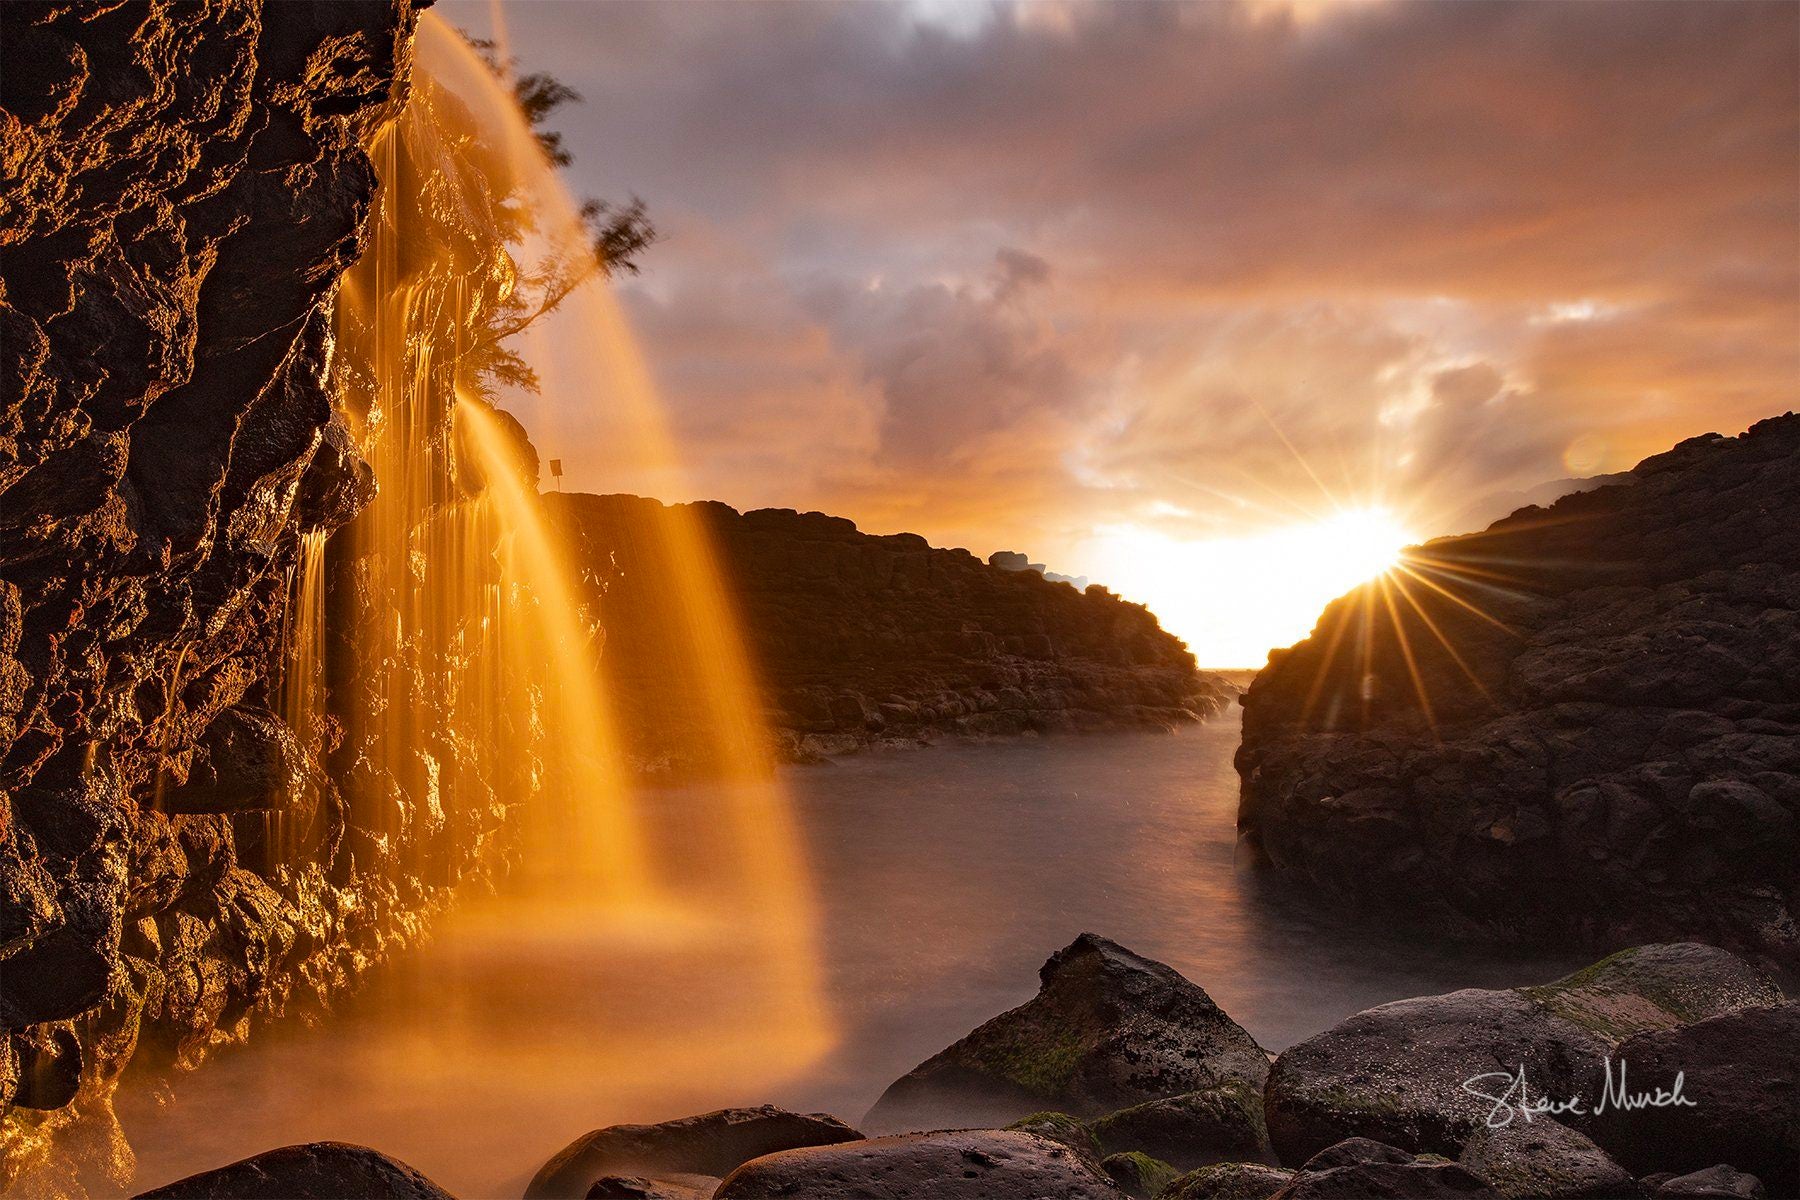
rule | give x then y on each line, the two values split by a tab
944	876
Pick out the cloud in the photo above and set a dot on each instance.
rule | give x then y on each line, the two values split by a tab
1006	279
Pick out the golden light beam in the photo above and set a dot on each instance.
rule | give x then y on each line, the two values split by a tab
1477	610
1443	641
1406	652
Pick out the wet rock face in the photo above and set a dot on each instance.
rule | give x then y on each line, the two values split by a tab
1609	747
862	640
1107	1030
190	182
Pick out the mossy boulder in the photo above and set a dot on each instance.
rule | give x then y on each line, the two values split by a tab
1108	1029
1222	1124
1543	1159
1061	1127
1138	1175
1228	1181
1397	1072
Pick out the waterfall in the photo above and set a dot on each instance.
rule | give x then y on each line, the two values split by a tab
483	687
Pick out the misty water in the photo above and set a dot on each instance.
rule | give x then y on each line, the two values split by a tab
945	876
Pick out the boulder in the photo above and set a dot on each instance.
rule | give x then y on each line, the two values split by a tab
1416	1180
1739	1073
1108	1029
714	1143
1397	1072
1137	1174
982	1164
1543	1159
1354	1152
1061	1127
664	1187
1229	1181
1222	1124
1717	1183
313	1171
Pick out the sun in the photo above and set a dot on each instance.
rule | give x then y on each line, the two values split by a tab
1233	599
1358	544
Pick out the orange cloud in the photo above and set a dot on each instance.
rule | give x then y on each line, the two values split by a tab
1007	280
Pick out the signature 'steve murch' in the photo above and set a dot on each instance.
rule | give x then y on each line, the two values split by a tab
1510	1095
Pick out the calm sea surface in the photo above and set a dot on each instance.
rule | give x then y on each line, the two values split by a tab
944	877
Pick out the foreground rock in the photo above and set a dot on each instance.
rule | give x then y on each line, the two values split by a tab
1545	1160
1137	1174
1229	1181
1609	748
313	1171
1714	1183
1396	1073
1222	1124
1741	1074
1360	1169
1107	1030
713	1144
954	1165
865	640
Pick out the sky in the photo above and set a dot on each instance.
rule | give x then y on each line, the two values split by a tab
1176	295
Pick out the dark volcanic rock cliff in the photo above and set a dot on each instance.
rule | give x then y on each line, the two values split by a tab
1609	747
860	638
187	182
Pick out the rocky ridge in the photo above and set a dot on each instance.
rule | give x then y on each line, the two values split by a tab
1583	721
864	640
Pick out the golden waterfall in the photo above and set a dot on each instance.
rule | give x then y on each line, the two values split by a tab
491	613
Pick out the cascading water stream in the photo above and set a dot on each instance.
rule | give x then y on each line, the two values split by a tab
488	612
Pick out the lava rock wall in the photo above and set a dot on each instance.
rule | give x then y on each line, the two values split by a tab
187	182
860	639
1585	720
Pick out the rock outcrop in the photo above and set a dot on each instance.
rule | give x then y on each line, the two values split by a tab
1360	1169
714	1144
1583	721
972	1164
188	183
1740	1073
861	639
313	1171
1107	1030
1397	1073
1229	1181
